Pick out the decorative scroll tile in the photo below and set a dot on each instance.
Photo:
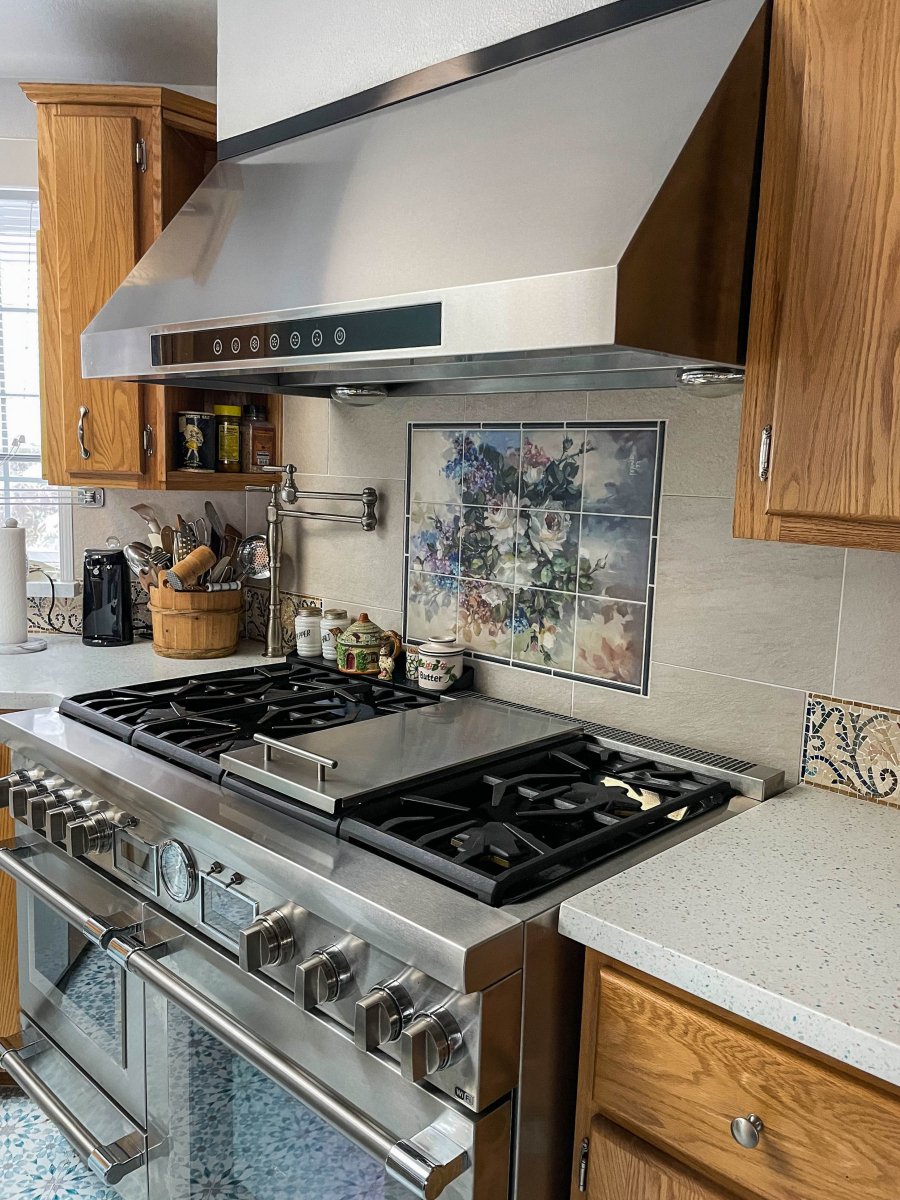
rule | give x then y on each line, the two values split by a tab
256	614
852	748
535	544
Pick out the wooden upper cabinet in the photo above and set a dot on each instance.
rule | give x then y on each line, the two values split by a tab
823	365
115	165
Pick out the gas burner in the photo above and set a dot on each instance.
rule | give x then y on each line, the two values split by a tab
534	820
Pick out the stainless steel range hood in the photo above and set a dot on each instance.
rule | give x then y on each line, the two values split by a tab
581	218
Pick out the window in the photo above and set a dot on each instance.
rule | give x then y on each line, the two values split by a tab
44	511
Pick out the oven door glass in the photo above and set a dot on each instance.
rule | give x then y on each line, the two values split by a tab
235	1135
79	981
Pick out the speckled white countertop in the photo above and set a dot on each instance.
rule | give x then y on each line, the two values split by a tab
68	667
788	915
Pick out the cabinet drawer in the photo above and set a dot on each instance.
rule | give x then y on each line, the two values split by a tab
678	1076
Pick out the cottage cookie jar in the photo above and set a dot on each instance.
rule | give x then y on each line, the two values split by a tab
359	646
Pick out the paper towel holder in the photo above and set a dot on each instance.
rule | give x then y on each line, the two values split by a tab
31	645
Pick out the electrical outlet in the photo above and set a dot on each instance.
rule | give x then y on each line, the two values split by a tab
87	497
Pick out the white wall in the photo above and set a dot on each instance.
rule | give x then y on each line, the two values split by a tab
283	57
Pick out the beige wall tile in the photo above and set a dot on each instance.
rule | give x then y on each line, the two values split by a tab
528	406
373	440
387	618
868	656
306	426
321	558
709	712
524	687
754	610
701	435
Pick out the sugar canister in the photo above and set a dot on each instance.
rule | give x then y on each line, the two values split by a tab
308	633
334	621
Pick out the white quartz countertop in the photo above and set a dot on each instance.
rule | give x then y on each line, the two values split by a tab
67	667
788	915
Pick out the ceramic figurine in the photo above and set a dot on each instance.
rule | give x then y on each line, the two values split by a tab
413	658
360	647
386	661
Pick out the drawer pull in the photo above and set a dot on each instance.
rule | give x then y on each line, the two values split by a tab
746	1130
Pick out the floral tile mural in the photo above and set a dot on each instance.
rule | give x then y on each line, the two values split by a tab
536	544
852	748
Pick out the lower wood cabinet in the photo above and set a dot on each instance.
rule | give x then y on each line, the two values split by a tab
620	1166
663	1077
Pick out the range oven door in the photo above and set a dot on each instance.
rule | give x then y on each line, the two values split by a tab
68	986
251	1097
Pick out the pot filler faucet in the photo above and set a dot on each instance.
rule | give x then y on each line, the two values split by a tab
285	494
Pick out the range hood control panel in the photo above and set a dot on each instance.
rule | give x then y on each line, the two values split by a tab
413	326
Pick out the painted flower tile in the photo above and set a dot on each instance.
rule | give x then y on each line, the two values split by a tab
544	629
615	557
620	474
490	470
548	550
552	468
434	538
485	617
609	640
535	544
488	545
852	748
431	606
436	465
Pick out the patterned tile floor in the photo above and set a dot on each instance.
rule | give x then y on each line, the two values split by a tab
36	1162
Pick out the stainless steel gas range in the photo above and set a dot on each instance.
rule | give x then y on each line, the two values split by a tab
285	934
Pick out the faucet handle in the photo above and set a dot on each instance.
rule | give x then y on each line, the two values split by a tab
288	486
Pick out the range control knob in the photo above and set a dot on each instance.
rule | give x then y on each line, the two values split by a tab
19	779
268	942
58	819
382	1015
322	978
38	806
90	835
21	793
429	1044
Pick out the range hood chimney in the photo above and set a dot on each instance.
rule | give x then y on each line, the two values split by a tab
582	216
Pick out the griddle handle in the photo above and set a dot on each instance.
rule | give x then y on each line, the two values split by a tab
269	744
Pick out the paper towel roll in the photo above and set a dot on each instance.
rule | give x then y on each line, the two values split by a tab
13	573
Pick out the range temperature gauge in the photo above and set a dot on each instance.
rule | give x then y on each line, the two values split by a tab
178	871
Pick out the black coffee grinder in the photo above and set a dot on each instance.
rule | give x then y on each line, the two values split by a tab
106	612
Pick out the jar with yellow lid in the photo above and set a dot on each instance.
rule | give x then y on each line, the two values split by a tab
228	437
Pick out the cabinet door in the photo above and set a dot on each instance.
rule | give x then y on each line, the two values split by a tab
94	202
623	1167
823	368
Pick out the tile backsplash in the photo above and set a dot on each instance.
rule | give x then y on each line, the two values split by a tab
852	748
742	631
535	544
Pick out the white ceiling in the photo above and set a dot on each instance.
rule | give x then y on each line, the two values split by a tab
133	41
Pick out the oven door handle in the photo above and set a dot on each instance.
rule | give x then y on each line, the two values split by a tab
426	1163
13	861
110	1162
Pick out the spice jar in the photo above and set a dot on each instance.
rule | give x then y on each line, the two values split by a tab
257	439
196	441
334	622
308	633
228	437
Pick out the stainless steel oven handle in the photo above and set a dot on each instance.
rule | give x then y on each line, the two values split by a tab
14	862
110	1162
412	1162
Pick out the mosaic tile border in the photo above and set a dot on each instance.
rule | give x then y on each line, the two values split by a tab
852	748
582	593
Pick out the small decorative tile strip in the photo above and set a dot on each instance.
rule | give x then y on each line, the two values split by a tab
535	545
256	614
852	748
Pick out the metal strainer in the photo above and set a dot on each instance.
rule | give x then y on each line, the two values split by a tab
253	558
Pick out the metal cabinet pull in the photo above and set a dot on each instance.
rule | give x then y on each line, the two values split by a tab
746	1130
765	453
110	1162
425	1164
82	413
